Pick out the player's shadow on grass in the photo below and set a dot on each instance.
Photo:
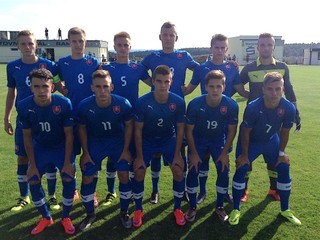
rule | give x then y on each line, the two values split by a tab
111	227
216	229
269	231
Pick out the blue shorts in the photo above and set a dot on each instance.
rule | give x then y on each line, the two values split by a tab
167	149
209	147
99	149
50	155
269	150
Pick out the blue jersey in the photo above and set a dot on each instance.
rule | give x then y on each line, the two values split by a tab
47	123
266	123
178	61
125	78
229	69
105	122
159	119
18	75
77	75
210	122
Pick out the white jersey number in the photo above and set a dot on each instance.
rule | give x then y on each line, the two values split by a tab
212	125
124	81
45	126
80	78
160	122
106	125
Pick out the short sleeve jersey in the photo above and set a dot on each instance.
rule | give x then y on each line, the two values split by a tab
125	78
265	123
159	119
210	122
105	122
229	69
253	73
18	75
178	61
77	75
47	123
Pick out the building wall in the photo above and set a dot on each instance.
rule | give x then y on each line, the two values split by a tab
245	48
311	56
53	49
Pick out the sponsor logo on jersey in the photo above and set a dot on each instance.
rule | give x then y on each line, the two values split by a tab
116	109
56	109
172	107
223	109
280	112
42	65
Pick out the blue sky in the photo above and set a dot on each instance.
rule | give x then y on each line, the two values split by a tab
196	21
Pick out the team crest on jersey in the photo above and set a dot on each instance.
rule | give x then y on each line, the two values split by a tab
223	109
228	66
56	109
42	65
89	61
172	107
116	109
134	66
179	55
280	112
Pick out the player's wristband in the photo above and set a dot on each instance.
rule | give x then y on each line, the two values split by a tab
281	153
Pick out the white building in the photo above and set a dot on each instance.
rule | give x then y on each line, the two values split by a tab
311	56
245	48
51	49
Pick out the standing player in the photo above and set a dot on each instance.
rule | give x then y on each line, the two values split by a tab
125	76
48	138
207	118
105	129
18	89
178	61
159	128
253	74
265	130
75	72
219	48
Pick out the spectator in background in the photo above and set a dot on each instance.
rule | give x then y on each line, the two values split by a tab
59	34
46	33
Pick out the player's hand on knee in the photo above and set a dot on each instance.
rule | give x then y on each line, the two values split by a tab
33	174
283	159
242	160
84	160
68	169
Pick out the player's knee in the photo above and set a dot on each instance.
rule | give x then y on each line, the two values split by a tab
123	176
86	179
177	173
139	174
22	160
33	180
